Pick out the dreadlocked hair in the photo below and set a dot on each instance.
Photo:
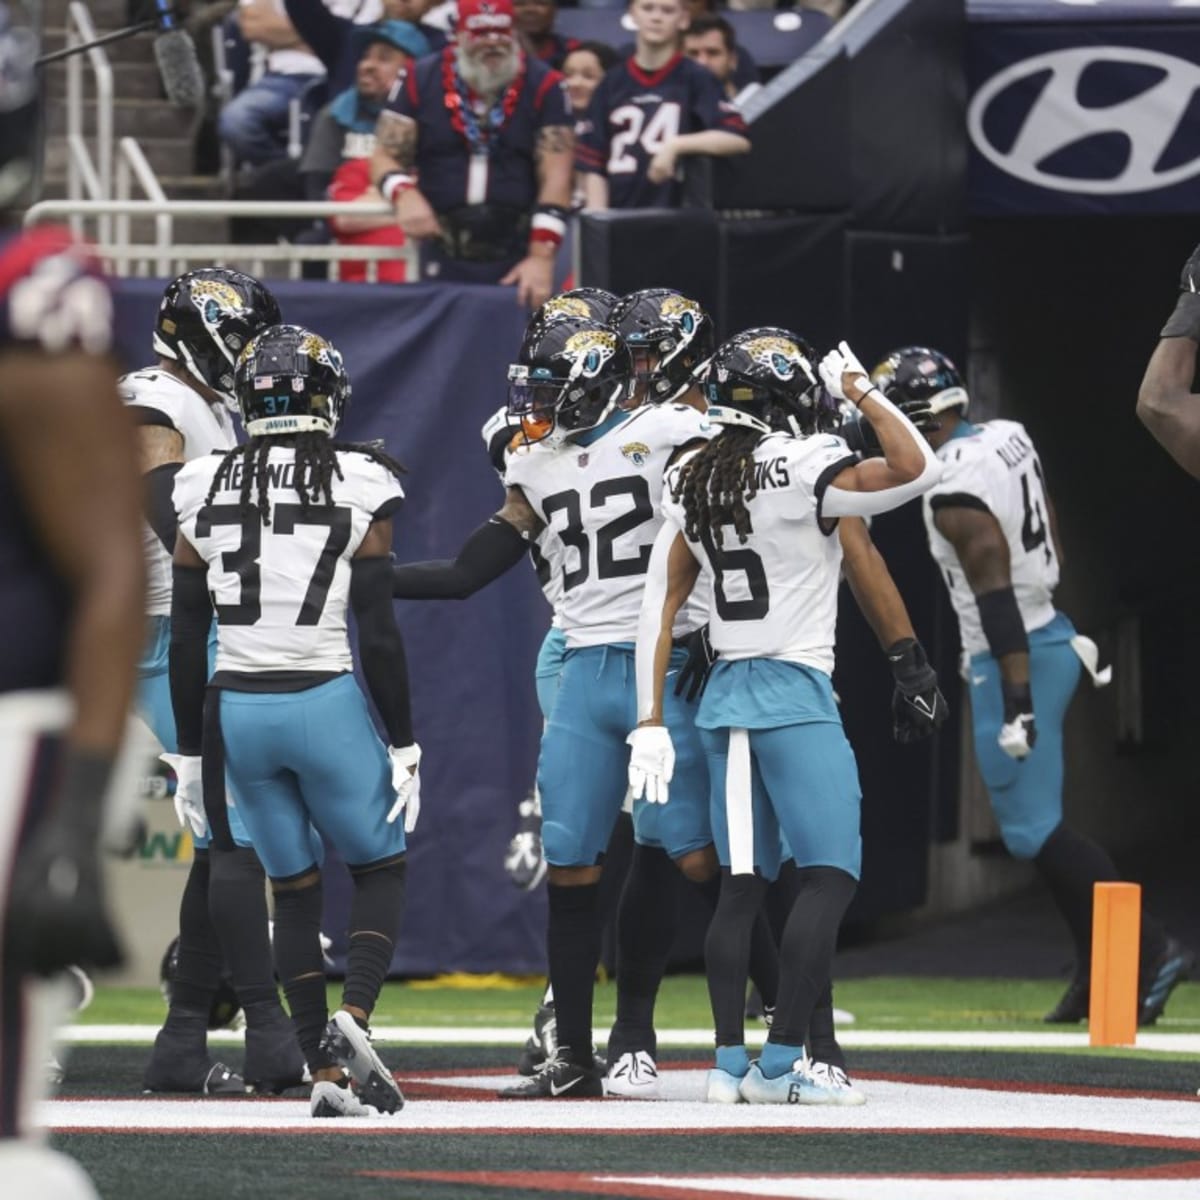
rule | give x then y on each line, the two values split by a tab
716	483
316	465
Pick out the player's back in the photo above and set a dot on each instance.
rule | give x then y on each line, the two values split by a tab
159	398
281	589
601	503
995	465
775	595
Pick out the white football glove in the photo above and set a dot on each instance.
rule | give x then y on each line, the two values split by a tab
837	363
189	792
1018	736
406	783
651	763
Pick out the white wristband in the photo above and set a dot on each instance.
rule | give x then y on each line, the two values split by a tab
395	182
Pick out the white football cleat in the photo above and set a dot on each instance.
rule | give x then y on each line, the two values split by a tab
633	1076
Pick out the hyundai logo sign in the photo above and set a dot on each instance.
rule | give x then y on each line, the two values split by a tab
1028	142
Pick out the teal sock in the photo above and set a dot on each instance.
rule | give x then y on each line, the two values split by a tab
733	1060
777	1058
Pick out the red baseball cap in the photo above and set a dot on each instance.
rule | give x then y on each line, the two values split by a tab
478	17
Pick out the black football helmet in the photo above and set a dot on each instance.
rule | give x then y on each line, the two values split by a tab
591	302
291	380
918	379
766	378
664	324
570	377
225	1005
205	320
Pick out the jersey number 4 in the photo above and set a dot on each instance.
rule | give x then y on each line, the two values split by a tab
243	562
630	128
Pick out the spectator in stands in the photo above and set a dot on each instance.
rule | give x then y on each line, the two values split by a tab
335	163
710	41
254	123
535	24
745	70
583	68
475	154
648	113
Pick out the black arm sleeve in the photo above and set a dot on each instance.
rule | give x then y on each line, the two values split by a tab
160	507
490	551
191	619
380	648
322	31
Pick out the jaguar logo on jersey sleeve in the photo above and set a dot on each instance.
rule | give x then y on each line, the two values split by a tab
588	351
780	356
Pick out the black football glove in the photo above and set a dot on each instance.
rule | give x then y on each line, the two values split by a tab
693	675
859	434
57	915
918	707
1185	320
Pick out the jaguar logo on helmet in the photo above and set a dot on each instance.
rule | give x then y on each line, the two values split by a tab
780	356
588	351
558	308
216	299
319	350
679	310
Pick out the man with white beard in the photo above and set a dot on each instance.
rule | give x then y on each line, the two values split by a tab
474	150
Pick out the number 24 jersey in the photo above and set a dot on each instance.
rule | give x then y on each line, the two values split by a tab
280	590
994	466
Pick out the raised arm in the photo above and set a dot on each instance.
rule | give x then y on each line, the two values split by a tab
495	547
1167	405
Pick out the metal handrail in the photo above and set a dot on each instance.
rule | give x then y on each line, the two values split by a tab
291	253
83	171
133	164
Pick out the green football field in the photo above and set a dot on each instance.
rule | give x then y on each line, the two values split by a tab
969	1097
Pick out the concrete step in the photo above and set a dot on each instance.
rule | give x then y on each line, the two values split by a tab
141	119
138	48
131	81
166	155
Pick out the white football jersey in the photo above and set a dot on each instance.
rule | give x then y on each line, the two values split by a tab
997	466
204	428
281	590
601	505
775	595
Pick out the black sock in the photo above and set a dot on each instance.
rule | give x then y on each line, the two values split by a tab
727	953
809	941
374	920
199	966
302	966
647	920
1071	865
822	1043
237	903
573	947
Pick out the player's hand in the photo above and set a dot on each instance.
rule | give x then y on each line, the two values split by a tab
415	215
1018	733
189	792
1189	277
1185	320
662	165
845	378
534	277
693	675
651	763
406	783
57	916
918	706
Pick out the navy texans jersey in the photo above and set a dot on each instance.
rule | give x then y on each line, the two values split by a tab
51	299
443	154
633	113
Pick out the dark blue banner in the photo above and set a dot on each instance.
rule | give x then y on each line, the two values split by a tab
1097	117
428	366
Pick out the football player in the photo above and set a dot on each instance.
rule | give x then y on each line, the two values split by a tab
1166	404
649	112
72	593
183	409
778	760
993	534
286	534
669	336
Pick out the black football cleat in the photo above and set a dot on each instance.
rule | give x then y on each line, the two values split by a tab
1172	967
559	1079
1072	1007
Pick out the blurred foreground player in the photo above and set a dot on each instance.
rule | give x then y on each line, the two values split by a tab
71	592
